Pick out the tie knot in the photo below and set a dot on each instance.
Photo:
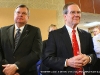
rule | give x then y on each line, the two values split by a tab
18	30
73	31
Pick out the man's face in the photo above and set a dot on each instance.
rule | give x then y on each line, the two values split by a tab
96	31
21	15
73	16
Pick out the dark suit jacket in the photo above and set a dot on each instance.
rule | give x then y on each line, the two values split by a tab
42	66
59	48
27	52
1	64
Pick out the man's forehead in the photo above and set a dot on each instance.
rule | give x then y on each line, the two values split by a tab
96	29
74	8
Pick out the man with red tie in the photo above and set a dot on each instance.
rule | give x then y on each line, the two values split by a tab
69	49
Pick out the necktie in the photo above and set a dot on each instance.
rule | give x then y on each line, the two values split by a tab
76	51
17	36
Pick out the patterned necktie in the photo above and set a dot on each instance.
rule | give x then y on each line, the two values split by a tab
76	51
17	36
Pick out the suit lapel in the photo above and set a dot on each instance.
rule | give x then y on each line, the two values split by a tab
66	39
82	42
23	35
10	32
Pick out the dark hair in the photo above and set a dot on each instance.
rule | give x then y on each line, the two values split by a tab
65	8
23	6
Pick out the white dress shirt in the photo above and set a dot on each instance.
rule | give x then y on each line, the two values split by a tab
15	31
78	40
21	29
77	35
96	41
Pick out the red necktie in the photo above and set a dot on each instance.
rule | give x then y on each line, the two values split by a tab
76	51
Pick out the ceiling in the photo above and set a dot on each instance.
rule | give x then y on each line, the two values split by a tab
89	18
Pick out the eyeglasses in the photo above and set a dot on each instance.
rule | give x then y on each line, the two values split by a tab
75	12
23	13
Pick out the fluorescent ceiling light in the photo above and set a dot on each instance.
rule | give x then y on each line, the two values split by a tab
92	24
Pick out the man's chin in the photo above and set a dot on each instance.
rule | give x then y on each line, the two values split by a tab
76	23
20	22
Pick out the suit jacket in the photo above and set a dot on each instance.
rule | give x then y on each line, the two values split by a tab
59	48
42	66
27	52
0	64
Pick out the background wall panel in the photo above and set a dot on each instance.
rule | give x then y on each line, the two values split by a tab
87	6
97	6
75	1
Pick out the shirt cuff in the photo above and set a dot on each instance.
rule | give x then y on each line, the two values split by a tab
65	63
90	59
16	66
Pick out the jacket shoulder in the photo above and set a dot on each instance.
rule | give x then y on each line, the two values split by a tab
31	26
83	31
60	30
6	27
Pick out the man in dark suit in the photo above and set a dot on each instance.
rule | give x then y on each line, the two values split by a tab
59	54
43	68
22	58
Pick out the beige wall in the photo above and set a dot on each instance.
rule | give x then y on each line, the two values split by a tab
43	18
43	13
38	17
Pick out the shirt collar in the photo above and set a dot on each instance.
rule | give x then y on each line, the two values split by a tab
21	28
70	29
